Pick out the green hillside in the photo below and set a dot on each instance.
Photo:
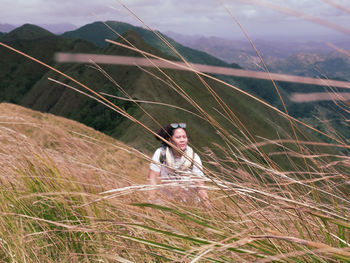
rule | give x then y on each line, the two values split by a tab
97	32
26	83
18	74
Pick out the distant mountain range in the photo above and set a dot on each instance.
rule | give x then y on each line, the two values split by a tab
305	58
297	57
54	28
25	83
334	65
4	28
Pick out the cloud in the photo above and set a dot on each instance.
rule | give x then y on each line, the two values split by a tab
201	17
52	11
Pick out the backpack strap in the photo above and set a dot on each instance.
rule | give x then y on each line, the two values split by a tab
162	157
192	158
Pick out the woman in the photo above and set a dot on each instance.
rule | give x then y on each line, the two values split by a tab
178	166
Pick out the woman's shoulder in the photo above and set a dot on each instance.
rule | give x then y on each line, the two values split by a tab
159	151
193	153
196	157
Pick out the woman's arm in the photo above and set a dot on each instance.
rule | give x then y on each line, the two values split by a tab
203	194
154	173
153	180
198	170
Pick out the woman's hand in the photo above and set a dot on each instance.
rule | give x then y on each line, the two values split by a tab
203	194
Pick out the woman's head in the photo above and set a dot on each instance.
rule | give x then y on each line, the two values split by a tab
174	133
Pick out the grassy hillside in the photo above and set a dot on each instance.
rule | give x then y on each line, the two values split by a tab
79	152
53	172
50	167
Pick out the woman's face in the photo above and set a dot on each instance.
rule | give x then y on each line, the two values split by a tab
179	139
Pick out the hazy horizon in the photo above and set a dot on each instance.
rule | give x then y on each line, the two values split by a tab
207	18
60	28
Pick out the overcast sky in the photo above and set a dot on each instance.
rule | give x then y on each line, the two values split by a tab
204	17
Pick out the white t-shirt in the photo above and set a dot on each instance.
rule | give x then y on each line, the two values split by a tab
192	175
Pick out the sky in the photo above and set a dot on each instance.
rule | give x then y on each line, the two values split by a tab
192	17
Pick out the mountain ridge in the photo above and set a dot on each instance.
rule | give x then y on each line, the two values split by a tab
97	32
27	32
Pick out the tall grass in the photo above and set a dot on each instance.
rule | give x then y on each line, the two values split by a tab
72	195
49	215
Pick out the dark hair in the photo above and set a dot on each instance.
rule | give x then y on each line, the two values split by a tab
166	132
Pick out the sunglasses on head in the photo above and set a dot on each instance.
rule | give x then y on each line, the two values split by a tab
178	125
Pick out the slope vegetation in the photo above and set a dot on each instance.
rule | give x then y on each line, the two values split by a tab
79	152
